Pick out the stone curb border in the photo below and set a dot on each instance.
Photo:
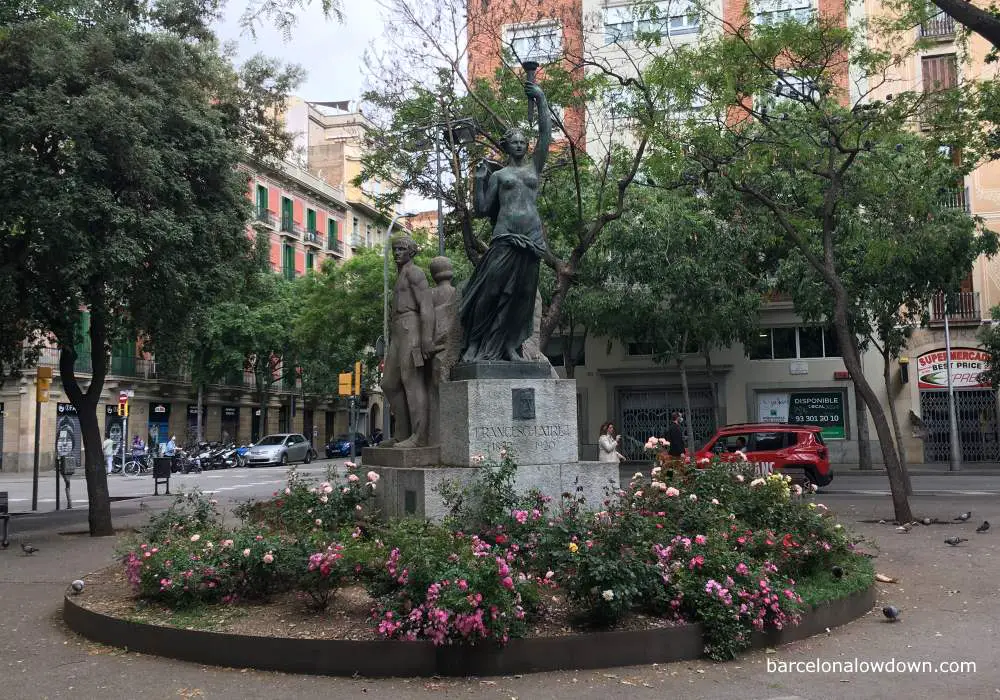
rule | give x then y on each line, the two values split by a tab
385	658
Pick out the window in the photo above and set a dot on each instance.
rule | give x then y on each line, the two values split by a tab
354	230
310	261
778	11
811	342
805	342
368	234
540	42
789	88
940	72
311	220
332	241
667	17
638	349
286	214
288	262
767	442
261	200
783	343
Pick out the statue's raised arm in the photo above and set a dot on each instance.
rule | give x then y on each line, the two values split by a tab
535	93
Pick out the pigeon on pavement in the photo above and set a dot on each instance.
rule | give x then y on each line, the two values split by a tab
926	521
955	541
837	571
28	549
77	586
904	528
891	613
984	527
964	516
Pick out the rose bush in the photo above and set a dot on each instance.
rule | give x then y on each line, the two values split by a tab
720	546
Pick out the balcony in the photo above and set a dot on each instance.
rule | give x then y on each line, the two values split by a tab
335	247
963	309
312	238
266	217
940	26
957	198
357	241
290	228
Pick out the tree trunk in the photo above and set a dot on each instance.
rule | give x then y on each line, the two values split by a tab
199	432
852	361
714	388
864	437
900	449
550	320
689	431
569	361
99	512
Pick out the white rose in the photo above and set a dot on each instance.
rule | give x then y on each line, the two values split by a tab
608	595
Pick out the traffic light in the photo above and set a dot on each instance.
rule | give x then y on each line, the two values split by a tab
44	381
344	382
357	379
123	404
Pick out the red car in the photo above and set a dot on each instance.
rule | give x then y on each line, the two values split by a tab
796	450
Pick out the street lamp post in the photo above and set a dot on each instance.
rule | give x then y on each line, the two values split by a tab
385	313
955	446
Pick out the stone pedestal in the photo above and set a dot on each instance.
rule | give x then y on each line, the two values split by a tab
535	419
406	458
486	409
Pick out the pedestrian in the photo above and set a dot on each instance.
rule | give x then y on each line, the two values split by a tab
138	448
675	434
171	447
109	452
608	443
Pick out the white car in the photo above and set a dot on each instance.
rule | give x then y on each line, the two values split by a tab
280	449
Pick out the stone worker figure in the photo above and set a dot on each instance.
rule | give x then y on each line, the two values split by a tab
447	337
498	303
407	366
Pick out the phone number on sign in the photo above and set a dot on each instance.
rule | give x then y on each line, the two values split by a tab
816	419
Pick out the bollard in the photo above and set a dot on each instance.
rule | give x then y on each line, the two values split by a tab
4	520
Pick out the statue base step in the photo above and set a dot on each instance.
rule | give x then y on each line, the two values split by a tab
495	369
416	492
401	457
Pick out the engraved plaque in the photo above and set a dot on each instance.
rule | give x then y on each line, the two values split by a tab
523	403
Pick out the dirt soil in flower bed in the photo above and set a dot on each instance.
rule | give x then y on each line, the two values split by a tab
285	615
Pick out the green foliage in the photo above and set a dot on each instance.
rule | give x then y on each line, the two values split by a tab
308	511
485	502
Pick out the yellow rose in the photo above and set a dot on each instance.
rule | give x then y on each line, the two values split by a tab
573	547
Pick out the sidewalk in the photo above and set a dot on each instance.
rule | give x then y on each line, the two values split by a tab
970	469
947	596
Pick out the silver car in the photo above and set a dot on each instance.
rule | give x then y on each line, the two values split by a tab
281	449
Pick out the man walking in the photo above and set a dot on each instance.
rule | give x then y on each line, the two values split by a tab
109	452
675	435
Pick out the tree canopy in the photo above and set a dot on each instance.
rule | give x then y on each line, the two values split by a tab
123	131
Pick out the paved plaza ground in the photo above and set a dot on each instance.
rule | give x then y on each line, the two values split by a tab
950	598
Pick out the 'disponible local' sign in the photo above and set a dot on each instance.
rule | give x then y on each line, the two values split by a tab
966	366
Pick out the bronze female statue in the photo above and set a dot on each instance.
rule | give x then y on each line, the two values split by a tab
498	303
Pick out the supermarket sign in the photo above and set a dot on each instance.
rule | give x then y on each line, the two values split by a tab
966	366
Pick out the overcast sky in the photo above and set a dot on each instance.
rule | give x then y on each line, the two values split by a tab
330	52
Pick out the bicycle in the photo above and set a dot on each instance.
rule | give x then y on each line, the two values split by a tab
138	465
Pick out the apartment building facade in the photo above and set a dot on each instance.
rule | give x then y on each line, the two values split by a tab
794	372
303	218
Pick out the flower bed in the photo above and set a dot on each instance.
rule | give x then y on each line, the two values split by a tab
714	547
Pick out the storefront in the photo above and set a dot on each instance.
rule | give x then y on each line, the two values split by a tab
975	405
159	424
230	424
69	439
114	426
